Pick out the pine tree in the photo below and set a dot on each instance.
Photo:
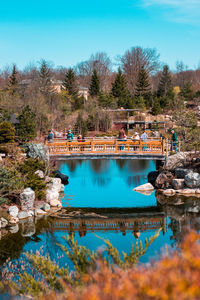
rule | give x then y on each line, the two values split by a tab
165	83
7	133
156	109
26	129
94	88
119	86
142	88
69	83
13	81
45	78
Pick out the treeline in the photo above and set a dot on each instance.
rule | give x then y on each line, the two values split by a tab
141	81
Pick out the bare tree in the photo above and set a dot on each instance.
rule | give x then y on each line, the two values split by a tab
101	63
134	59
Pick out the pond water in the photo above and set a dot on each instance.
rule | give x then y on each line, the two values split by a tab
106	186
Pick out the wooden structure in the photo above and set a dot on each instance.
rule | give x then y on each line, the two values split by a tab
150	148
110	224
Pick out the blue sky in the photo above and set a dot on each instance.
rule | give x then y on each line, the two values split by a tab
67	32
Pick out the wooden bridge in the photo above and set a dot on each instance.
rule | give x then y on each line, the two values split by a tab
150	149
114	224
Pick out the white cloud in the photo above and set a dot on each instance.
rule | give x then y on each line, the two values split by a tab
183	11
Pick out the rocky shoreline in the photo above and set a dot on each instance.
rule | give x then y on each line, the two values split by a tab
179	176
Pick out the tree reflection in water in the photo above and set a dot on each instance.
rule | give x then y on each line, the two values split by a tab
99	165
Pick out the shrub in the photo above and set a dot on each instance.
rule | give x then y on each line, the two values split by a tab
7	133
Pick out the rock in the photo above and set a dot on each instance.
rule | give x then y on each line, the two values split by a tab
4	223
164	180
195	209
181	173
39	211
46	207
23	215
30	213
55	203
192	180
152	177
169	192
54	184
197	191
39	173
186	191
13	211
37	151
178	184
14	220
144	187
62	188
64	178
14	229
28	228
27	199
51	195
175	161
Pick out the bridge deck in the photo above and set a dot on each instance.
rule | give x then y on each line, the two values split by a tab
151	149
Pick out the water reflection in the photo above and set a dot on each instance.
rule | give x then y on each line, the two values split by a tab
99	165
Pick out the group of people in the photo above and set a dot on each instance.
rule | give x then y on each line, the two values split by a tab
69	136
122	136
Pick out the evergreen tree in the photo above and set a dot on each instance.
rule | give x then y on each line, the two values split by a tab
26	129
107	100
13	81
165	84
156	109
69	83
94	88
140	103
7	133
142	88
119	86
45	78
187	92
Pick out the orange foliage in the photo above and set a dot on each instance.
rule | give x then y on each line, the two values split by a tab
173	277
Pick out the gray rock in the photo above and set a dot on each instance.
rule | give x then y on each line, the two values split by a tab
14	220
62	188
13	211
144	187
46	207
40	173
181	173
37	151
51	195
178	184
175	161
194	209
14	229
39	211
23	215
4	223
164	180
27	199
192	180
169	192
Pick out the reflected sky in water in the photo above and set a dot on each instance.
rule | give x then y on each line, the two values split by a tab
106	183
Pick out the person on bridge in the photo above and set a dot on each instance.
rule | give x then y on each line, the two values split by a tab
70	136
144	138
136	136
122	137
174	141
50	136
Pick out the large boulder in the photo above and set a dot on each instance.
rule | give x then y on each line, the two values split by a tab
192	180
13	211
37	151
54	187
181	173
144	187
64	178
152	177
178	184
164	180
51	195
27	199
4	222
176	161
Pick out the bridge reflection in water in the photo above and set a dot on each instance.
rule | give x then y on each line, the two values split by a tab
95	220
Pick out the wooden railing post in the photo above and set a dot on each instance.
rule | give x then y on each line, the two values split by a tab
92	146
163	146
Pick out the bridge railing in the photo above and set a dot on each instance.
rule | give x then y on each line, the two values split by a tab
107	146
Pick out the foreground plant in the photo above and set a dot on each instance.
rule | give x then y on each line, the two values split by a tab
44	276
